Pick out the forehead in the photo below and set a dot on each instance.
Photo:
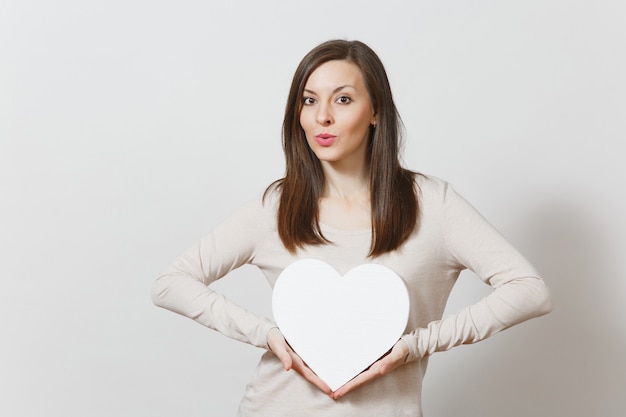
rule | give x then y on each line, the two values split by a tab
335	73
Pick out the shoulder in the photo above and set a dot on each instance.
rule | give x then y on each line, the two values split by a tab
269	200
431	189
262	207
438	197
255	215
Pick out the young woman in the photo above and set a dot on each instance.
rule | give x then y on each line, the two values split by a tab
345	199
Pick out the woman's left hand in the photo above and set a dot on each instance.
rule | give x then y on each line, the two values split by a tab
396	358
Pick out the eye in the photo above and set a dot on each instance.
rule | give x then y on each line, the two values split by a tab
307	101
344	100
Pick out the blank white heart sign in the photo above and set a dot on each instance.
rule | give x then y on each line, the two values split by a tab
340	325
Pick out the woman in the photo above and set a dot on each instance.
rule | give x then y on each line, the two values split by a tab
345	199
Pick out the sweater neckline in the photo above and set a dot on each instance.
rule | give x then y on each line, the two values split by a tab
335	230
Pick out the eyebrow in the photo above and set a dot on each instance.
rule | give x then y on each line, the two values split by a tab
336	90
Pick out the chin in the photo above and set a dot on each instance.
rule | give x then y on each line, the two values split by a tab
327	158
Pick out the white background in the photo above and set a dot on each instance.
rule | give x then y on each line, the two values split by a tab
128	129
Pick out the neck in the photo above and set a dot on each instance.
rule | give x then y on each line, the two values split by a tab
345	181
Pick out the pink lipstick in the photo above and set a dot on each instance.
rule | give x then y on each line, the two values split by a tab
325	139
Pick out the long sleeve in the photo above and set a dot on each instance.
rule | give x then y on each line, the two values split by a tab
183	287
519	293
451	236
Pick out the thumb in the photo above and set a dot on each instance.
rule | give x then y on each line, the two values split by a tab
284	356
396	357
279	347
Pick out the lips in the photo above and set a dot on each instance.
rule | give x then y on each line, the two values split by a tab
325	139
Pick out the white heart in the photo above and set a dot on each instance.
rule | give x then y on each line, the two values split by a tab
340	325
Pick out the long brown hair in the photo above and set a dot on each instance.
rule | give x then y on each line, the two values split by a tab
393	195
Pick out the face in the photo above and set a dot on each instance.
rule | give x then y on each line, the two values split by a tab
337	113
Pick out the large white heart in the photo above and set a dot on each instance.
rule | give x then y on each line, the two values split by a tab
340	325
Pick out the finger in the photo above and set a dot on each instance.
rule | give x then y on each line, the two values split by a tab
390	362
278	346
396	357
306	372
378	369
284	356
291	360
363	378
281	350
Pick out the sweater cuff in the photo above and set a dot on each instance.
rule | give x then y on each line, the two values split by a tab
264	328
411	342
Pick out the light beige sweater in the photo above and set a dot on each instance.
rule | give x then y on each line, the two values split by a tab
451	236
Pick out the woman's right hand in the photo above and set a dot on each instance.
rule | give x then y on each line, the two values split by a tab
279	346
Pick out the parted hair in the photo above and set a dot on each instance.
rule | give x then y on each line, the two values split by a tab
393	192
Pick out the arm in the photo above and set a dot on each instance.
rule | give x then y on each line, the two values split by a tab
519	293
183	287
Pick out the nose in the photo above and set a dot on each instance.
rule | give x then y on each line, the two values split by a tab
324	115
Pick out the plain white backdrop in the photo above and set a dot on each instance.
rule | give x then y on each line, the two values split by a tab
128	129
